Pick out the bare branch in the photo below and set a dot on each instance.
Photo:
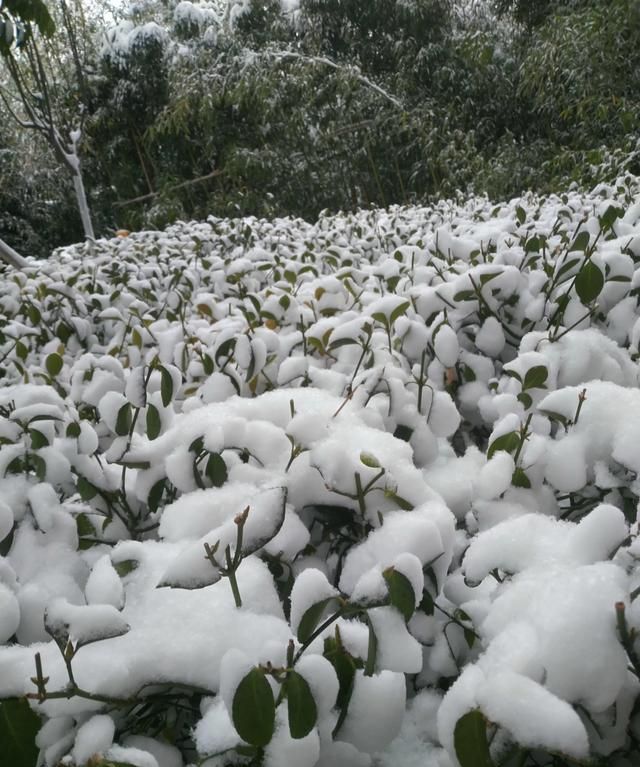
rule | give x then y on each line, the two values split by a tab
143	197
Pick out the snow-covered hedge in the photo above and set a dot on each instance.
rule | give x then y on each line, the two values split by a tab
362	492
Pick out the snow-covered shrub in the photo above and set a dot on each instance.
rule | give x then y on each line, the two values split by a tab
358	492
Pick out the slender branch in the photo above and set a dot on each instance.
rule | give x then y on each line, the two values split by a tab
323	61
150	195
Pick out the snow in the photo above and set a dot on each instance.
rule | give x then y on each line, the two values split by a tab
397	650
311	587
83	623
375	711
532	715
164	754
104	585
93	737
349	465
446	345
6	520
495	476
283	749
9	613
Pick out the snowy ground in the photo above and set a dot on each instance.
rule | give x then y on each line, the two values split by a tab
432	416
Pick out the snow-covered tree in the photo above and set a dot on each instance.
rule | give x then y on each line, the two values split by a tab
34	61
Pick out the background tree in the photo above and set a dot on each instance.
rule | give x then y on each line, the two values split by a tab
37	67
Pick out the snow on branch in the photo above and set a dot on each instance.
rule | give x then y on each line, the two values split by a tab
324	61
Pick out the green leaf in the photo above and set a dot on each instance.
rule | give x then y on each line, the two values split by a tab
73	430
155	495
254	710
526	399
566	267
401	594
207	364
557	417
301	706
54	364
403	503
589	282
581	242
216	470
399	311
608	218
18	728
313	615
521	215
381	318
512	374
345	668
166	386
470	741
370	461
464	295
403	432
38	439
21	350
124	419
39	466
224	350
34	314
532	245
520	479
487	277
341	342
154	424
126	566
86	489
535	377
508	442
84	527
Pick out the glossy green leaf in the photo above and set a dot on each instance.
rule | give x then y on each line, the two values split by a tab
154	424
470	741
54	364
520	478
589	282
535	377
19	725
399	311
608	218
526	399
155	495
401	594
313	616
123	420
166	386
508	442
216	470
370	461
38	439
581	242
254	709
301	706
86	489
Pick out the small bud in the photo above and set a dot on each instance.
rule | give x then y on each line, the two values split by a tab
242	518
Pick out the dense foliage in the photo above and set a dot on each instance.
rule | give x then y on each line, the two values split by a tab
275	108
358	492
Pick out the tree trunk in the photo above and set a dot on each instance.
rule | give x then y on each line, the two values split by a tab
9	255
83	205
